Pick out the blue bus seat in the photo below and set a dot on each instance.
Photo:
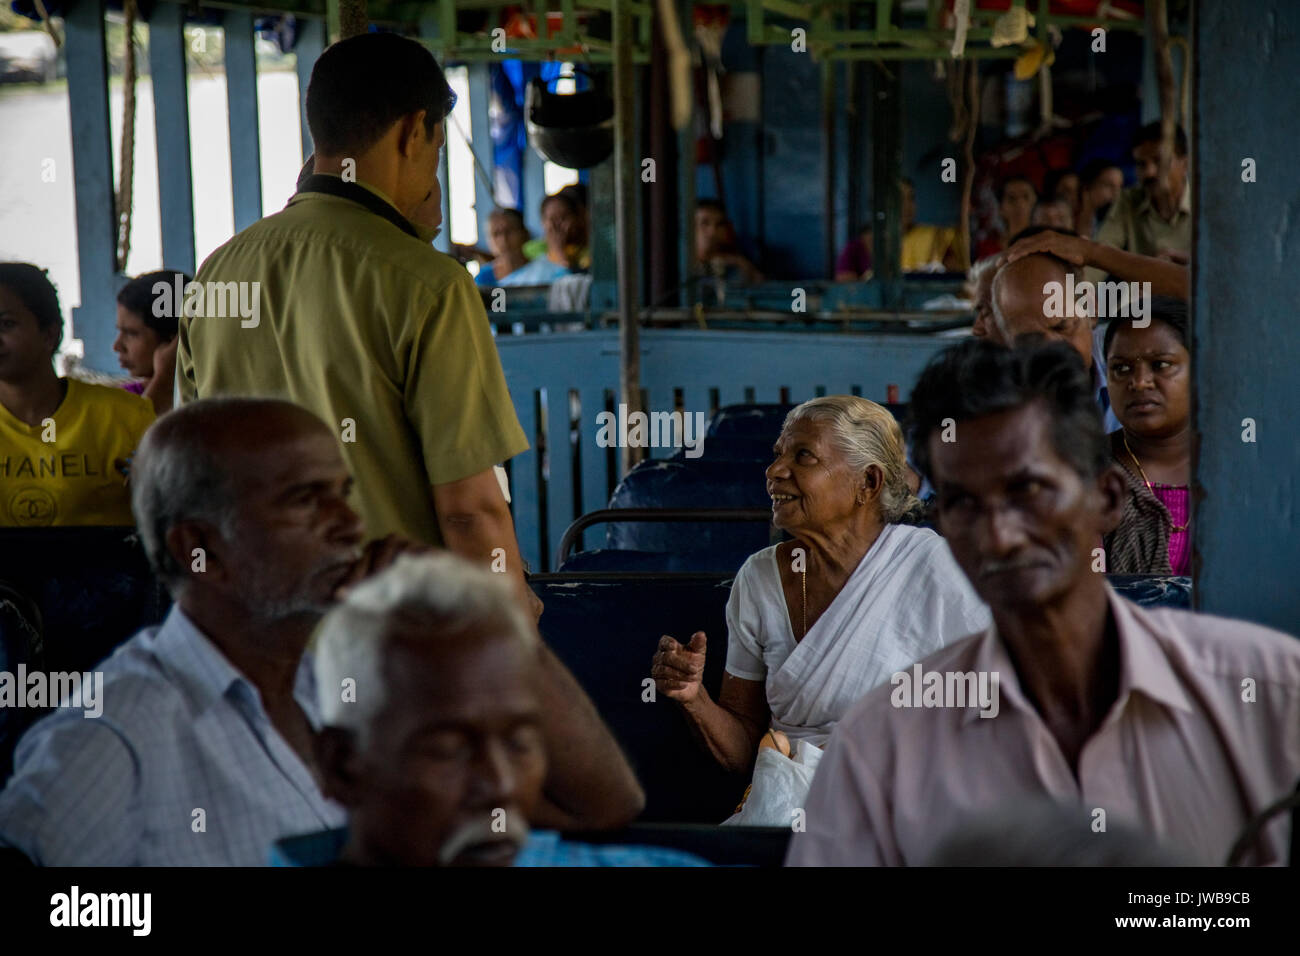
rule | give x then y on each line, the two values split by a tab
697	483
606	631
93	589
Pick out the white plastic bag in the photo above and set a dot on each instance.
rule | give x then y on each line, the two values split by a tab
780	786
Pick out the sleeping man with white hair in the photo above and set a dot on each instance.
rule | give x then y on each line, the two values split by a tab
429	684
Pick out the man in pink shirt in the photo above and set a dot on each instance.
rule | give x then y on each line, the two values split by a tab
1181	725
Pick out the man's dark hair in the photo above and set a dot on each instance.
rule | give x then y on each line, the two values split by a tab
138	297
1001	189
514	215
1093	169
362	85
577	192
36	292
978	378
714	204
1172	312
562	197
1151	134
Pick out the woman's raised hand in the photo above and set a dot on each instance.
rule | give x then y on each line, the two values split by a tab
678	670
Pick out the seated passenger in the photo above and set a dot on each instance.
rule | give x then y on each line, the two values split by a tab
1016	199
440	755
980	285
558	215
1020	307
1134	716
65	444
507	237
1062	185
146	335
717	253
1053	213
1100	182
854	261
816	622
202	754
926	248
1150	375
1153	218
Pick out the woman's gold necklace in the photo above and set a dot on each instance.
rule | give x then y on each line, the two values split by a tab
803	579
1177	528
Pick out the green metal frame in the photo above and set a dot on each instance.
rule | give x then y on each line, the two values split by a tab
886	41
472	47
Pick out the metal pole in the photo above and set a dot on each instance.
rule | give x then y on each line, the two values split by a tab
625	179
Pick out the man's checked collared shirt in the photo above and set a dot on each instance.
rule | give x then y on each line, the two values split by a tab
182	769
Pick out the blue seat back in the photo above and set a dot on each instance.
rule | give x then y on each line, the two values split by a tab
606	632
697	483
93	588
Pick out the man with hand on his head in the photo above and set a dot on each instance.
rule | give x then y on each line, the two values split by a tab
432	699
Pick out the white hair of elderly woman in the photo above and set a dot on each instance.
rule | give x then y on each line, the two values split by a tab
456	595
866	434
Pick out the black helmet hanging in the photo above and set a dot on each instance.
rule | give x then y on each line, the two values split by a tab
573	130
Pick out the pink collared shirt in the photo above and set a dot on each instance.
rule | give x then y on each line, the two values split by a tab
1181	755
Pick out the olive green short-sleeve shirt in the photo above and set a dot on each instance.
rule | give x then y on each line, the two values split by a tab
376	332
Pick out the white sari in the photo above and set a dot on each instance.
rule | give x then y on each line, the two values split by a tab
906	599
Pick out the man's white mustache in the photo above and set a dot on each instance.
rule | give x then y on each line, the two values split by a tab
480	831
997	567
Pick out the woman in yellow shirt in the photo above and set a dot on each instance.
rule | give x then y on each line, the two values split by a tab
64	444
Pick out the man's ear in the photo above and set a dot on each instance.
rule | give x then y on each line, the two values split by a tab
1113	491
411	133
337	757
197	548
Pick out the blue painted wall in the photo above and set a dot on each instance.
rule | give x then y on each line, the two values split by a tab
1246	529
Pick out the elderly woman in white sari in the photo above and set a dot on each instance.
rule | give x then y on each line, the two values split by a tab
817	621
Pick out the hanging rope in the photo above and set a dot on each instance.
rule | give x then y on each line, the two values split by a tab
126	173
48	24
1165	81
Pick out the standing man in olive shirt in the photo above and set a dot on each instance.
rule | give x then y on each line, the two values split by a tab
345	308
361	321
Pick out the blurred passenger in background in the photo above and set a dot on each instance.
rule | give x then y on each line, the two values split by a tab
1101	182
1154	218
854	261
507	235
1054	213
717	251
146	334
1016	199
